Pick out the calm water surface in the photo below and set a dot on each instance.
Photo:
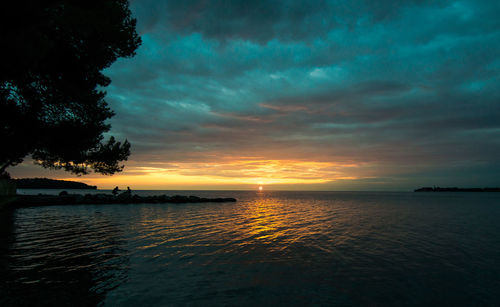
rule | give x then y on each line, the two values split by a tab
270	248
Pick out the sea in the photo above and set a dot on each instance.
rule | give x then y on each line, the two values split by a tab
270	248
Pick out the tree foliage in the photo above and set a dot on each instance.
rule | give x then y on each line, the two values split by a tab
52	104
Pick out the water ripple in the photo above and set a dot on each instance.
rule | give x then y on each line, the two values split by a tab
269	248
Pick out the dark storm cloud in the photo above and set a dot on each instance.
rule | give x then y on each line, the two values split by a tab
264	20
257	20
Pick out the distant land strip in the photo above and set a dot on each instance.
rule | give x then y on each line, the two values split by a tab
45	183
438	189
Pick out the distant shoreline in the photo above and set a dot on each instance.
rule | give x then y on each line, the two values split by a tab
45	183
438	189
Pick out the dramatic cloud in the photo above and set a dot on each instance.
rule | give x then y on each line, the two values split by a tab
325	94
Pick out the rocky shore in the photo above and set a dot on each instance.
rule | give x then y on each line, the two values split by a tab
123	198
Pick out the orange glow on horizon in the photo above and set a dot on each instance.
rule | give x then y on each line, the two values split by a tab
226	174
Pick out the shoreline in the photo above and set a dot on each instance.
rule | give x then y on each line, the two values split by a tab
21	201
438	189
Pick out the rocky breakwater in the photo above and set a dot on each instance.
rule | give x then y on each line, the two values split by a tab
123	198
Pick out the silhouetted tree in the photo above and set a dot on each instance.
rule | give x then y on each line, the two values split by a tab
52	103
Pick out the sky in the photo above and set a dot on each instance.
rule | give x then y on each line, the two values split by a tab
307	95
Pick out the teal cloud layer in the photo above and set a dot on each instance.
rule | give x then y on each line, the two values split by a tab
411	86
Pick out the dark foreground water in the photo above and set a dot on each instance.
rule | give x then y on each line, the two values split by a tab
270	248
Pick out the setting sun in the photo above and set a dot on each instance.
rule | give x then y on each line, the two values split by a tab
260	188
